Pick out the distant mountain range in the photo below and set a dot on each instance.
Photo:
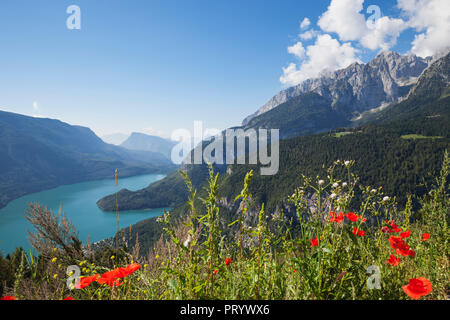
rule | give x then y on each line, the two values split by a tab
38	154
115	138
399	147
338	99
419	87
141	141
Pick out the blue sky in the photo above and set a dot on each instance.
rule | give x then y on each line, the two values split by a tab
155	66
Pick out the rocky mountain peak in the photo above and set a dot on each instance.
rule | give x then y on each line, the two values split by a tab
359	87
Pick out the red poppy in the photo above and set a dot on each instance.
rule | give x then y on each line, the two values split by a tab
112	277
359	233
314	242
405	234
337	218
215	271
425	236
401	247
362	219
393	260
131	269
391	227
417	288
8	298
86	281
227	261
395	227
352	217
294	271
386	229
68	298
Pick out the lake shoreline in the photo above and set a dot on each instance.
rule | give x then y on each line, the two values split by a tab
79	204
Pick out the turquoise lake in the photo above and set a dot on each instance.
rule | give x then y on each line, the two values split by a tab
79	204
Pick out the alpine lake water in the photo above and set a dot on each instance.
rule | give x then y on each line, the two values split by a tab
78	202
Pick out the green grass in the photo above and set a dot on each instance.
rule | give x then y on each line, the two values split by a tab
341	134
269	256
418	136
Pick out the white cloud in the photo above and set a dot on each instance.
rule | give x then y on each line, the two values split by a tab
347	20
384	34
308	35
432	19
35	105
297	49
325	55
305	23
343	17
355	28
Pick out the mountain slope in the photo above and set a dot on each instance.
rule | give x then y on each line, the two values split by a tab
337	100
359	87
380	140
38	154
141	141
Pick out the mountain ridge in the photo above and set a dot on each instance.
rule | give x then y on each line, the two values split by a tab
40	153
388	73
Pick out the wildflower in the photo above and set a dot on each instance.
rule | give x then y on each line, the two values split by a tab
113	257
359	233
393	260
425	236
401	247
227	261
187	241
362	219
335	185
215	271
145	265
373	191
8	298
112	278
417	288
344	184
54	259
337	218
386	199
68	298
157	256
333	195
391	227
294	271
321	182
347	163
86	281
55	276
131	268
405	234
314	242
352	217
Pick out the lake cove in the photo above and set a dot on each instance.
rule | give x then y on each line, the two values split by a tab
79	203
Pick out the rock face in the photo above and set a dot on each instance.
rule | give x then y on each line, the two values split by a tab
359	87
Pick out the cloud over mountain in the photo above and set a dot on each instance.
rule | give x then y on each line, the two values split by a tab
346	29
